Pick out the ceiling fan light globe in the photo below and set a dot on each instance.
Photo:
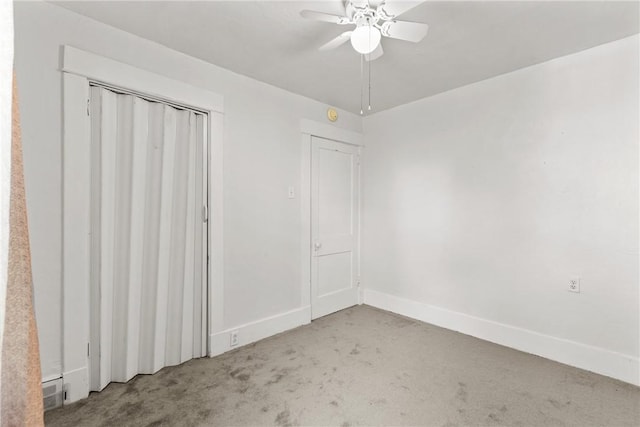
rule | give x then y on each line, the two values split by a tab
365	39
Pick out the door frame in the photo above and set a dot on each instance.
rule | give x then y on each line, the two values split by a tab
79	68
309	129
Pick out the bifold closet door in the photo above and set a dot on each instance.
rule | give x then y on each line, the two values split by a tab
147	236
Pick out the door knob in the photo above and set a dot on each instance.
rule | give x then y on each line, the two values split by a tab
317	246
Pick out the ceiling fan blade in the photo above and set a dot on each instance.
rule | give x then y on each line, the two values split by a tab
374	4
324	17
395	8
357	3
338	41
404	30
377	53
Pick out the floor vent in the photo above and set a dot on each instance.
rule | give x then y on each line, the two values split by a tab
52	394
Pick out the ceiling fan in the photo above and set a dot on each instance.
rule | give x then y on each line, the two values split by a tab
373	19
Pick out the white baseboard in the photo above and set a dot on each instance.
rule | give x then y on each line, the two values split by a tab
605	362
76	384
259	329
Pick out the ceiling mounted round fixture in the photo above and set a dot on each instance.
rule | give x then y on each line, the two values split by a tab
365	39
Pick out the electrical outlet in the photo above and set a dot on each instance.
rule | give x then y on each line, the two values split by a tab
233	338
574	284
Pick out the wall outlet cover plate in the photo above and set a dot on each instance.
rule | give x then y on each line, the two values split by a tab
574	284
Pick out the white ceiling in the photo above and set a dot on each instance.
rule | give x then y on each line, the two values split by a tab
468	41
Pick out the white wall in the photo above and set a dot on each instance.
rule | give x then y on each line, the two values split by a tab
484	201
261	159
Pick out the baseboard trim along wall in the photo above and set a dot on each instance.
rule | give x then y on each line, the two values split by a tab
76	385
254	331
616	365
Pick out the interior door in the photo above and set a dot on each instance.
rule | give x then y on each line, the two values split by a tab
334	226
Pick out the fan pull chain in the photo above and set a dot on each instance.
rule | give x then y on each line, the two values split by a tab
361	83
370	61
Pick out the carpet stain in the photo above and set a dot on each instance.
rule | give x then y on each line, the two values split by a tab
131	389
283	418
131	408
494	417
582	378
558	405
238	374
243	388
204	413
282	373
462	392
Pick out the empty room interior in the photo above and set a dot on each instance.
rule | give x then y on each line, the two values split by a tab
337	213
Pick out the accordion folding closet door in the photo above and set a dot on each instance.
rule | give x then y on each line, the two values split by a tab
148	243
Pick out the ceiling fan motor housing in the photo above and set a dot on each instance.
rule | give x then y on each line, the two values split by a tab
362	16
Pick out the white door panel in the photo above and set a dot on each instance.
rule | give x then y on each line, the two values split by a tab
334	273
334	226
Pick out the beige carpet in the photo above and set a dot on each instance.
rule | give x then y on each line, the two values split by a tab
363	366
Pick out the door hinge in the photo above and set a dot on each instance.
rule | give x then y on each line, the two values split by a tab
88	105
88	350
